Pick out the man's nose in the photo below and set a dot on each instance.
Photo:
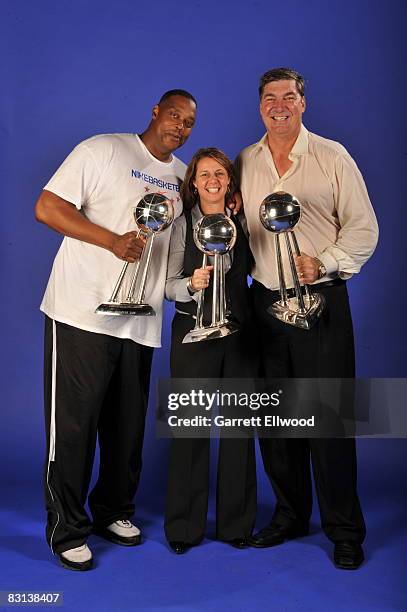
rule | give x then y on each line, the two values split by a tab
278	104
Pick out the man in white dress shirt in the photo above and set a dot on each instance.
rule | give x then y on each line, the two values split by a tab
337	234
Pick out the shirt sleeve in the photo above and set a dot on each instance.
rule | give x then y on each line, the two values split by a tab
77	177
358	232
176	283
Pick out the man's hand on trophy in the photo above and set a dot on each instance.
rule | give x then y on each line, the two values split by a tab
307	268
235	202
200	278
129	246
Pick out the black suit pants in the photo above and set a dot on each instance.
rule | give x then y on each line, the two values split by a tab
188	478
325	351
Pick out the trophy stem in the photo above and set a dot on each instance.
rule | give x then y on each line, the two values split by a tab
215	288
298	253
222	292
140	296
224	289
283	289
119	282
130	294
201	296
294	274
296	246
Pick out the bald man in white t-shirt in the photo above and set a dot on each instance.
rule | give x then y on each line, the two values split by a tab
97	368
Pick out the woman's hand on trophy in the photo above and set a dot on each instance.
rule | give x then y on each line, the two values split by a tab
200	278
307	268
129	247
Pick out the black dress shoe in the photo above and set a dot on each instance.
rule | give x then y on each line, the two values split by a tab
238	543
179	547
273	534
348	555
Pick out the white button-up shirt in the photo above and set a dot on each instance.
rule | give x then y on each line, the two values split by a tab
337	224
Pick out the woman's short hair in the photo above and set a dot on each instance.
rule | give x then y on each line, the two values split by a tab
189	194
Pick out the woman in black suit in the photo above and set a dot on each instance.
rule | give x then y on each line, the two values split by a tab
209	181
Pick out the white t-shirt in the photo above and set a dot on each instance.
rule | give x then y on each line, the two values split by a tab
105	176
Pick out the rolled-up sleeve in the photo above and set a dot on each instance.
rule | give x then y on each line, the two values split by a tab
358	234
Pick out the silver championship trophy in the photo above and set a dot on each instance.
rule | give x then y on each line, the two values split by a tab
279	213
214	235
153	214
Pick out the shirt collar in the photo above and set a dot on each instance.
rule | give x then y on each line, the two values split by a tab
300	146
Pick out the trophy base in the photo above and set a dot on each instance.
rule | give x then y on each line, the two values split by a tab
124	308
210	333
288	312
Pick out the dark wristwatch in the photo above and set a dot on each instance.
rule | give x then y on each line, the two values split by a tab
321	270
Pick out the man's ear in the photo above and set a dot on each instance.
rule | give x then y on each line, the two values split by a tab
155	111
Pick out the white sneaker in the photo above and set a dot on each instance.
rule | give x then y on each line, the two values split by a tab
120	532
79	558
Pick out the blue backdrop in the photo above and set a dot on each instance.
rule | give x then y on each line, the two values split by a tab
71	69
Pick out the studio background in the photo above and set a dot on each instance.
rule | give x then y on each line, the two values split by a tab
70	70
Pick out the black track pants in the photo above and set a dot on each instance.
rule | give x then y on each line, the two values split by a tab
95	386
